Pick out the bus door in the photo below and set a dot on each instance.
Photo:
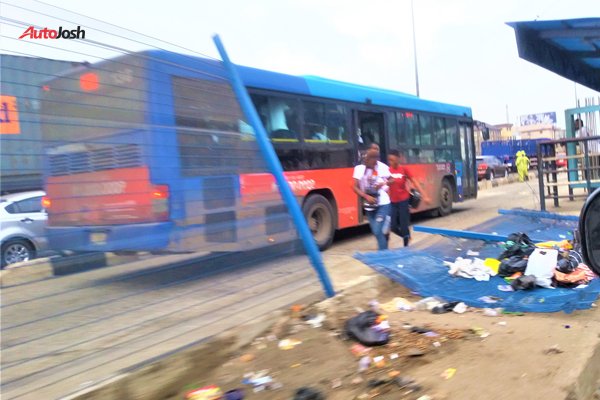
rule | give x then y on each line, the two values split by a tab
467	151
369	128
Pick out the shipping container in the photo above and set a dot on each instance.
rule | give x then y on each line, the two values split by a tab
21	147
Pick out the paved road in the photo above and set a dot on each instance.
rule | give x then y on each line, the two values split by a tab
60	335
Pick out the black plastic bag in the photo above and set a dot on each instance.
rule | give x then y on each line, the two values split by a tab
308	393
509	266
523	283
359	329
517	244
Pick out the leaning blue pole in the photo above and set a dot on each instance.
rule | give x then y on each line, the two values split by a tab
275	167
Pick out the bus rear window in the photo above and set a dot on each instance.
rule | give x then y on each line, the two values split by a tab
94	102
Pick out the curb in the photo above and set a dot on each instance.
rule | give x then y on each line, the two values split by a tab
45	268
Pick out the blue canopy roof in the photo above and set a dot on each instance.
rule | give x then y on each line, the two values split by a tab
569	47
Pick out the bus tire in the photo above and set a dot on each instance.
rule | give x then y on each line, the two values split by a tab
446	196
319	216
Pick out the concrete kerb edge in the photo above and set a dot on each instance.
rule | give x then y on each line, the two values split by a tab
172	371
45	268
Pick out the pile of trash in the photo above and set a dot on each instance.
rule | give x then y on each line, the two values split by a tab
526	265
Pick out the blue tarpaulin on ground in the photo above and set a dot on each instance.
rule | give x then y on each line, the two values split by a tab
423	271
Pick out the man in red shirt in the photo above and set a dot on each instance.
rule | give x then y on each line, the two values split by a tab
399	195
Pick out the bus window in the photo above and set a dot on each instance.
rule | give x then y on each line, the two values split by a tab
451	132
280	117
439	132
325	123
426	129
411	128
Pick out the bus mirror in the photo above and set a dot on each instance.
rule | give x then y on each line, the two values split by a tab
486	133
589	229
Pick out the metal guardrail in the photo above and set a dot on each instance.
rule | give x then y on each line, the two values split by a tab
582	170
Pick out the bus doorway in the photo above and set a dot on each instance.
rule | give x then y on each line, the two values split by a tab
370	129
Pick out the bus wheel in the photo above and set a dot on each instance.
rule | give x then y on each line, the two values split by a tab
446	196
319	215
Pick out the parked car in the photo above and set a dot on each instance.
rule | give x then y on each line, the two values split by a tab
22	226
490	167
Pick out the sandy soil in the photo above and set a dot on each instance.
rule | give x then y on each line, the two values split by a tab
524	357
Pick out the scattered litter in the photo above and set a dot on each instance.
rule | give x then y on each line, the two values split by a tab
490	299
364	364
437	344
470	268
444	308
449	373
357	381
414	352
336	383
426	397
376	382
472	253
553	350
394	374
368	328
505	288
393	356
288	344
418	329
359	350
247	358
428	303
271	338
516	313
379	361
480	332
374	306
460	308
234	394
431	334
567	326
490	312
317	321
308	393
502	323
211	392
295	365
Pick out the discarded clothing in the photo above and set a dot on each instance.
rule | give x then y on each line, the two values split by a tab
526	282
582	275
470	269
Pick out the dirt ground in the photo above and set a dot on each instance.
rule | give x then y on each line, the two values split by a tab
505	357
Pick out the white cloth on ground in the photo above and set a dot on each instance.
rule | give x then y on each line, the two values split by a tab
470	269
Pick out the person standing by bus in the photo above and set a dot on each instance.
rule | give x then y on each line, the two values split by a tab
522	163
370	184
399	195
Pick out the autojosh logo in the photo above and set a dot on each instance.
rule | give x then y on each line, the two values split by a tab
46	33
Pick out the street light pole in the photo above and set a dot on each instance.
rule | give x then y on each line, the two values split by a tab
412	9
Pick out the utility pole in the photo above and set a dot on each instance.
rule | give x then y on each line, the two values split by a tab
412	9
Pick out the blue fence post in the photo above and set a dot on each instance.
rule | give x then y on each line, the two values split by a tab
275	167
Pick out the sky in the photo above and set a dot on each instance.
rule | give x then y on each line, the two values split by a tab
466	53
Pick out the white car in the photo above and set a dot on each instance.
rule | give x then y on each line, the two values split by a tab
22	226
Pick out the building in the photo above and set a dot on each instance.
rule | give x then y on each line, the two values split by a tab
21	150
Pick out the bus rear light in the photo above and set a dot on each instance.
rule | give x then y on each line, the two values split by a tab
160	202
89	82
160	192
46	203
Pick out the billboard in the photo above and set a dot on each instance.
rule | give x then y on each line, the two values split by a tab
548	118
